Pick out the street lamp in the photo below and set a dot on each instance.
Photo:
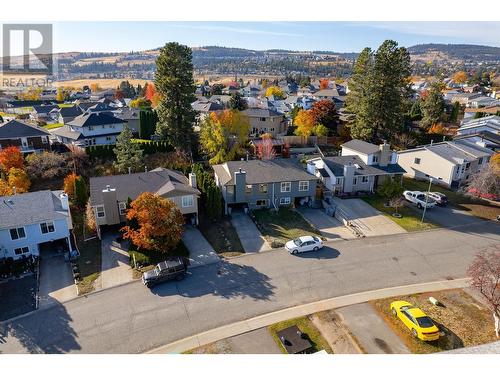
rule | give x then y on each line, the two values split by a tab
427	198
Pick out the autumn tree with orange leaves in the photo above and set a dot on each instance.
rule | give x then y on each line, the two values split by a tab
460	77
324	83
18	179
304	122
159	223
11	157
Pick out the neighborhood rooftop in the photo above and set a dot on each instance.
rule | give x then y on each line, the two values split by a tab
455	152
93	119
361	146
17	129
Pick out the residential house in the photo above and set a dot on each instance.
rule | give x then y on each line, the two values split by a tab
90	129
103	94
68	114
361	167
109	194
448	163
265	121
45	113
483	138
204	107
470	113
483	101
488	123
131	116
264	183
29	138
31	221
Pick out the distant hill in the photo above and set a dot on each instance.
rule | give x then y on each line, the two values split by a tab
457	51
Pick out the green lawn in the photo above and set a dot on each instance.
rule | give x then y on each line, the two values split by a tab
476	207
221	235
65	105
89	261
144	258
52	126
305	325
410	220
282	226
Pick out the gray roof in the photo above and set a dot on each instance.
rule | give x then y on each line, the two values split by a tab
93	119
205	106
456	151
263	171
29	208
336	165
259	112
127	113
16	129
66	132
361	146
44	108
327	93
165	182
485	134
72	111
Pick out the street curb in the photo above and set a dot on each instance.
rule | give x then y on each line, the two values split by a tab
265	320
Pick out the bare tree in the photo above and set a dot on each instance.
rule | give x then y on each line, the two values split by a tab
78	159
484	184
396	203
403	141
485	275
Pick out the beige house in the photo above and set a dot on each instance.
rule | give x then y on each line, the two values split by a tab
450	164
265	121
109	194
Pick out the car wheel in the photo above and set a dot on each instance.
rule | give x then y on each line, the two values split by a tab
414	333
419	206
294	252
316	248
394	312
149	285
180	277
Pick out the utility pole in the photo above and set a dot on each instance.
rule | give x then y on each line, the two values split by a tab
427	198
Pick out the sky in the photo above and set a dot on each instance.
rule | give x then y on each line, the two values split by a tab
304	36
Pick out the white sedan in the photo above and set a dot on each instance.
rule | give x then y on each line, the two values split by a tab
303	244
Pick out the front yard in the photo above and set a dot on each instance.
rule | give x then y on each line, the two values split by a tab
465	321
89	261
410	220
282	226
476	207
221	235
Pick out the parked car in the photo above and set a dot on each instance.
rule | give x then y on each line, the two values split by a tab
420	325
418	198
439	198
303	244
172	269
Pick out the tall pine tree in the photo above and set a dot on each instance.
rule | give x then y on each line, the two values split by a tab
128	154
174	82
432	106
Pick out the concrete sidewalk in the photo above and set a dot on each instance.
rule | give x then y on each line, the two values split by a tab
250	237
200	250
298	311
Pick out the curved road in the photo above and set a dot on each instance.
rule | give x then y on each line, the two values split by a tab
132	319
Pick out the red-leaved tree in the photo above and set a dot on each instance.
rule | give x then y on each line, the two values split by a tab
265	149
485	278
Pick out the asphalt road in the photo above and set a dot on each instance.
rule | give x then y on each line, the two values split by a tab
132	319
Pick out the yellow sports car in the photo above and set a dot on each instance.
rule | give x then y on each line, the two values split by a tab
420	325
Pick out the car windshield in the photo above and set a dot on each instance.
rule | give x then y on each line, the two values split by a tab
316	239
297	242
425	322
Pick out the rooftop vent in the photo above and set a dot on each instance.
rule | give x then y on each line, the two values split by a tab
357	166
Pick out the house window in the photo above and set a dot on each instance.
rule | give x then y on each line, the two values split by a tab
364	179
108	138
417	161
100	211
91	128
45	140
263	188
284	200
480	161
22	250
230	189
248	189
467	165
17	233
47	227
187	201
122	206
261	202
303	185
355	181
286	187
375	159
262	119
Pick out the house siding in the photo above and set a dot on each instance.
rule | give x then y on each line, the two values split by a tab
431	164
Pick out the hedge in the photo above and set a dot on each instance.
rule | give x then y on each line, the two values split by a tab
106	151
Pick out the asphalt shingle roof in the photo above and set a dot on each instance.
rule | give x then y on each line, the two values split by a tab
259	112
72	111
16	129
44	108
361	146
336	165
66	132
162	181
263	171
94	119
29	208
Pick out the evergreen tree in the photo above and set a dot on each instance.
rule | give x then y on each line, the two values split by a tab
432	106
174	82
237	102
455	111
128	154
147	124
81	194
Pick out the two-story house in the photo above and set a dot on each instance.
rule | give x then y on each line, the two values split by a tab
68	114
91	129
265	121
361	167
264	183
28	138
109	194
448	163
31	220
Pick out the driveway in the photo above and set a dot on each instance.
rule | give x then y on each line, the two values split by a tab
329	227
369	220
56	280
250	237
371	331
447	216
115	263
200	250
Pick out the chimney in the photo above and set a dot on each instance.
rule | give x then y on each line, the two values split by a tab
192	180
385	154
63	197
349	170
240	185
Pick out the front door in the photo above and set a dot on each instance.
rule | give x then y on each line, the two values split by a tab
24	142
